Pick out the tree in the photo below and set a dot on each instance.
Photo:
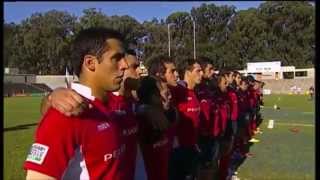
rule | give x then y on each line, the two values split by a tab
291	33
9	31
44	42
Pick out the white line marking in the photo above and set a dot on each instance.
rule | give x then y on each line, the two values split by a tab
294	124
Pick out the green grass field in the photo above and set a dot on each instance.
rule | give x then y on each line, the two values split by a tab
280	155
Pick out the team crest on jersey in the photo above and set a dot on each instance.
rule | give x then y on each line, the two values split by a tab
37	153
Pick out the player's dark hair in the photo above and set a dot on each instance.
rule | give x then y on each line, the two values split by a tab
131	52
235	73
91	41
204	61
185	65
148	87
156	65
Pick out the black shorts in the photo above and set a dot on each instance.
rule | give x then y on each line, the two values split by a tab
244	120
229	131
209	151
184	163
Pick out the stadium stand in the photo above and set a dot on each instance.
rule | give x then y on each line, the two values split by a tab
24	89
284	86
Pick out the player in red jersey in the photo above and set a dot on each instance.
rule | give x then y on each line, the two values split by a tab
224	135
163	67
184	161
122	102
154	144
241	141
206	141
260	103
254	103
60	138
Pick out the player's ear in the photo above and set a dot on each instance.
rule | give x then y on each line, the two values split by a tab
89	62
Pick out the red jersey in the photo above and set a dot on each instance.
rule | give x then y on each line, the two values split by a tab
206	119
189	110
222	106
243	101
125	110
233	104
253	98
156	158
95	134
155	151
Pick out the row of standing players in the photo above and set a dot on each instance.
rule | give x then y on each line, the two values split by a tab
210	117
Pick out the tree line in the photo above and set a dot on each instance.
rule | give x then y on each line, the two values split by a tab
276	30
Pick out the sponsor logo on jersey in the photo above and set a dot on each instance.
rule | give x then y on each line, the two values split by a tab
103	126
193	109
115	154
37	153
130	131
189	98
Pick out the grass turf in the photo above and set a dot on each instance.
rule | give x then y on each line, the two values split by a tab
280	155
283	154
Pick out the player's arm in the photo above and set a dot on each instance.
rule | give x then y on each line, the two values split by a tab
32	175
154	116
172	115
54	146
66	101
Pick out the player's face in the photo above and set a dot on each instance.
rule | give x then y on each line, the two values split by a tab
230	78
238	79
209	71
223	84
171	74
112	65
243	86
256	85
133	67
196	73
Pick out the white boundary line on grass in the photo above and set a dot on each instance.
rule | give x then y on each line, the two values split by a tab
294	124
303	112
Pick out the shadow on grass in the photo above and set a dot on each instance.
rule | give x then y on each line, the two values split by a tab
19	127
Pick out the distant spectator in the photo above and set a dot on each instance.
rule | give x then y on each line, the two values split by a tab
311	92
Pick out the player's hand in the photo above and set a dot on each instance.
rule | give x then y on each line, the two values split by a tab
67	101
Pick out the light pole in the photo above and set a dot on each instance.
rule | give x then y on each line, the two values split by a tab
194	37
169	42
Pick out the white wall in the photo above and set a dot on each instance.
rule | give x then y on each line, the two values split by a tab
52	81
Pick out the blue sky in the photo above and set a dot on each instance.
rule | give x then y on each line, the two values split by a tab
141	11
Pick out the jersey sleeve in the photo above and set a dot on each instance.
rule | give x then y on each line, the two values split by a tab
54	145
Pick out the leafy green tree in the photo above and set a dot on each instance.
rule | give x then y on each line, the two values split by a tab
43	42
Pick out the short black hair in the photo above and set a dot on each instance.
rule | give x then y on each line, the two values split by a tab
156	65
225	72
131	52
250	79
204	61
185	65
235	73
91	41
244	79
